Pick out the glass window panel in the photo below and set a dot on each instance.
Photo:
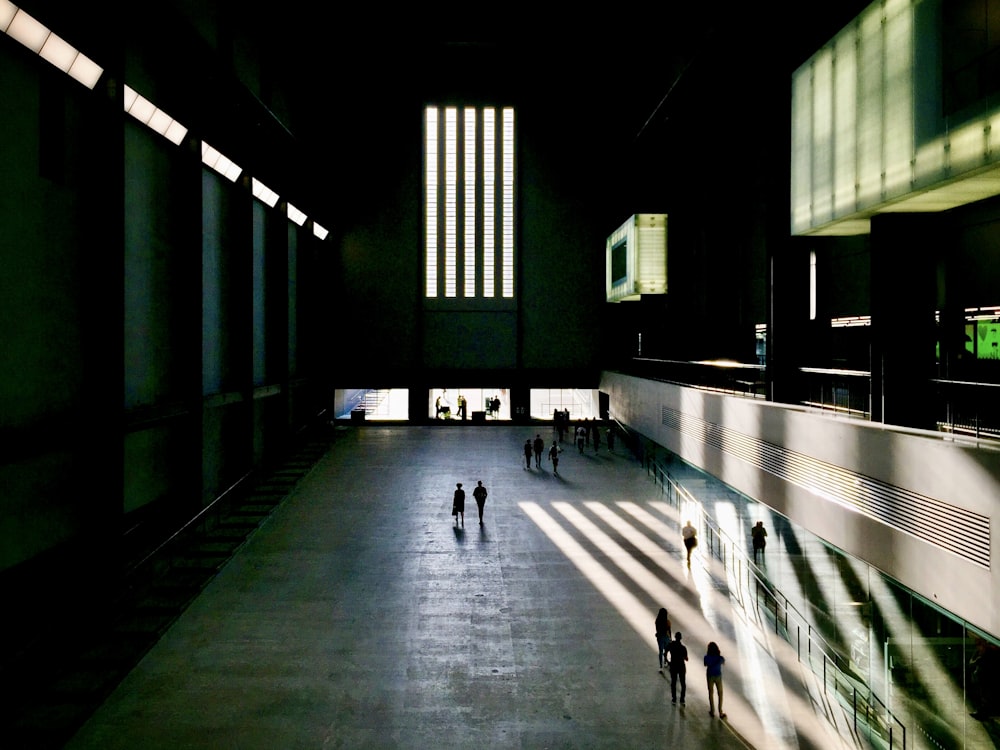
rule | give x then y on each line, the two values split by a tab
431	201
470	202
489	201
469	193
450	198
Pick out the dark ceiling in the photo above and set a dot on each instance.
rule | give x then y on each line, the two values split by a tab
347	75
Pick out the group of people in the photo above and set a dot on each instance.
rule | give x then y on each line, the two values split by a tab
673	655
589	432
533	450
442	406
458	502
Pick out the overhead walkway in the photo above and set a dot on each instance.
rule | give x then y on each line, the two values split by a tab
361	615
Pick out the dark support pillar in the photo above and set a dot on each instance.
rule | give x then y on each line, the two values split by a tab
418	404
520	405
788	321
904	299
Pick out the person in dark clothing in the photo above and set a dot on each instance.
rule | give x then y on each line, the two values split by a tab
677	654
527	454
663	629
539	446
458	504
554	452
759	536
480	495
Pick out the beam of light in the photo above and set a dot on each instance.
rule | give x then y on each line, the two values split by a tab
760	672
762	728
617	554
947	698
634	612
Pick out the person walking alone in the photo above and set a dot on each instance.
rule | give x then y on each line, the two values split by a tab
690	536
713	675
554	457
527	454
677	654
759	536
480	495
538	446
458	504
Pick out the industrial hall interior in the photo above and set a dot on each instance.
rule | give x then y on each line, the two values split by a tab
374	378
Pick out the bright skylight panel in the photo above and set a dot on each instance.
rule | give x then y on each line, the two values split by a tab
141	108
175	132
295	215
59	52
85	70
223	165
159	121
7	12
149	114
27	31
263	192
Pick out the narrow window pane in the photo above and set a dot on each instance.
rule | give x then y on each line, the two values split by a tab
450	198
812	285
508	202
489	201
470	202
431	201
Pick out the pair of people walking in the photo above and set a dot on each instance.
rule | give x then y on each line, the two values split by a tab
673	654
458	502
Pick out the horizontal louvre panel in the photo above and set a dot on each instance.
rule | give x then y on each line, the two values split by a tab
957	530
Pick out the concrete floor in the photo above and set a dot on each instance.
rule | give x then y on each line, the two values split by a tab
360	616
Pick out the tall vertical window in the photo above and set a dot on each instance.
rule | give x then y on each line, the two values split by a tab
812	285
508	203
489	200
470	202
431	203
450	201
469	221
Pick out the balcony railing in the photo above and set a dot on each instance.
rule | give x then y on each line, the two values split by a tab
962	408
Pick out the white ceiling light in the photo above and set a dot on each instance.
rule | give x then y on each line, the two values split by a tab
295	215
221	164
58	51
149	114
263	192
7	11
85	70
27	31
319	231
53	48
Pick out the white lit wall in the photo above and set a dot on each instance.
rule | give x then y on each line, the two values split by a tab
771	452
868	135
